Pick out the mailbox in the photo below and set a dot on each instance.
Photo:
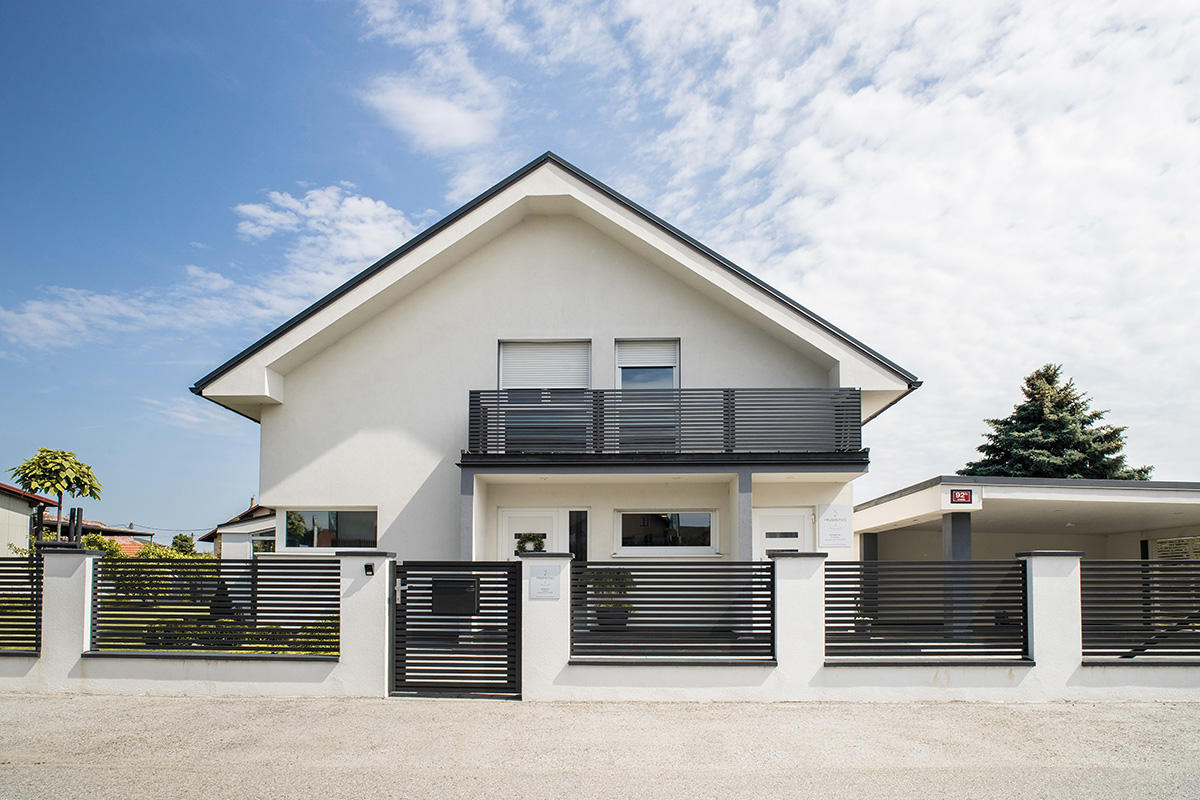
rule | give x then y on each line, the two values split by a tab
455	597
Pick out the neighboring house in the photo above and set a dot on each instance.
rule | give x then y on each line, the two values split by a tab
957	517
257	521
553	360
17	506
129	539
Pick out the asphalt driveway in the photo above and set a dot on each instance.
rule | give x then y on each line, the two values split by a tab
60	746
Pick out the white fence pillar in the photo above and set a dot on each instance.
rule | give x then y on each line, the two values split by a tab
365	623
237	546
1055	616
545	621
66	616
799	619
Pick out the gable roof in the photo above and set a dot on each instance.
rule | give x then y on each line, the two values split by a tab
903	377
34	499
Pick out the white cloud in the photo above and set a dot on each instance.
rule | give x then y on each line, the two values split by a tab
333	234
973	188
434	123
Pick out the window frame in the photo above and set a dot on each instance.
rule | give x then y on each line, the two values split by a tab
622	550
674	367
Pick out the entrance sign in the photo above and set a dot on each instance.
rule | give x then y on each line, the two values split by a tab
835	526
544	581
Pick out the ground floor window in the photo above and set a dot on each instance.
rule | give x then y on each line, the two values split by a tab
668	532
312	528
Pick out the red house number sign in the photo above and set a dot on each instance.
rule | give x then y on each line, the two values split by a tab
960	495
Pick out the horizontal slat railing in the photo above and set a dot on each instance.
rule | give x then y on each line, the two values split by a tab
673	611
1141	612
903	610
250	607
665	421
20	605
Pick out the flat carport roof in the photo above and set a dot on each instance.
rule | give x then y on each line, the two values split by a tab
1034	505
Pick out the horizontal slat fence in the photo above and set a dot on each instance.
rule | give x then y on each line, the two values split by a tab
673	611
1141	611
665	420
251	607
20	604
936	610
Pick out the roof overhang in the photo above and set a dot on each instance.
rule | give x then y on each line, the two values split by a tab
547	186
1034	506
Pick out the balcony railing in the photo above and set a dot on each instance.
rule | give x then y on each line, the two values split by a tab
665	421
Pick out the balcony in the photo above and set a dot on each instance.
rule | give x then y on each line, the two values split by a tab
610	422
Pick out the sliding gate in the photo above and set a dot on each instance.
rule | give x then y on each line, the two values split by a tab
458	629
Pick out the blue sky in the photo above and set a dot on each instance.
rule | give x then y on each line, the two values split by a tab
972	189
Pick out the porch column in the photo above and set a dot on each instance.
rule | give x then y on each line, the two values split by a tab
956	536
466	508
744	532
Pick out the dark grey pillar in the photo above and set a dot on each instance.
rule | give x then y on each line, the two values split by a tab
870	546
466	511
956	536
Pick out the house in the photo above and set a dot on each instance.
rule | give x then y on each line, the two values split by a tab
959	517
17	507
553	361
257	523
129	539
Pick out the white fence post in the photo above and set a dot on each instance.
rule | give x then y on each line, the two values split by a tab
66	615
545	621
799	618
365	623
1055	616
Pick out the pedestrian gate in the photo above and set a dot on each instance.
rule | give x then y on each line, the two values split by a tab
458	629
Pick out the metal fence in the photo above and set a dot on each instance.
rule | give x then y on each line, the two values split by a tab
673	611
1141	611
20	604
925	611
665	421
177	607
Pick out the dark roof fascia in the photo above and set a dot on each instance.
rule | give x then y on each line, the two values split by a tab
855	460
551	158
33	499
1044	483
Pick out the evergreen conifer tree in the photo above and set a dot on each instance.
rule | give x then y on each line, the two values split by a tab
1054	433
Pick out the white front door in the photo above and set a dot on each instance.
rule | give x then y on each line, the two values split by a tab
783	529
549	524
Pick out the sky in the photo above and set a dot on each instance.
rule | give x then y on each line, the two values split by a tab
971	189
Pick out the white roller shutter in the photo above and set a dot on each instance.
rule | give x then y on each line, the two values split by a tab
545	365
648	353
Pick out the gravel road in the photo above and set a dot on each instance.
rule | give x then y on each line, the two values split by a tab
71	746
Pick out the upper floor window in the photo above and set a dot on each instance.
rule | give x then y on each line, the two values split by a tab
648	363
546	365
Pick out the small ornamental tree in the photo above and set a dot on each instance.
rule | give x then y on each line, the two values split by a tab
183	544
1054	433
57	472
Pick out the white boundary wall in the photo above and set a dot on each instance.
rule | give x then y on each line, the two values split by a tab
361	668
801	674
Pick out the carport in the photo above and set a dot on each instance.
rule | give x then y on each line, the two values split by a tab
960	518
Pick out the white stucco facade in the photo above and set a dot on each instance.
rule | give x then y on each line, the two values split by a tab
363	402
15	510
